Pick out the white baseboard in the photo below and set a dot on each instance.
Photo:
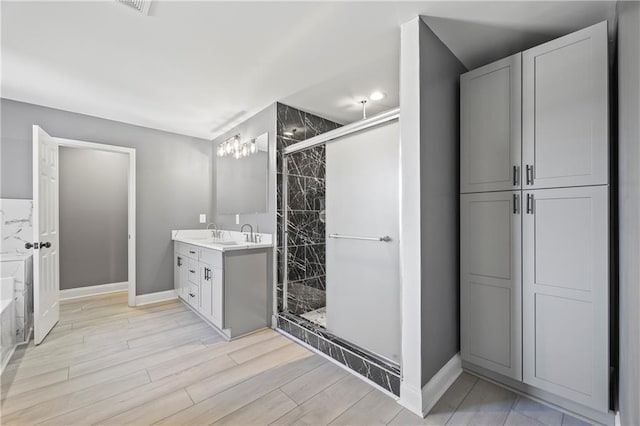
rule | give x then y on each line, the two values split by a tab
5	362
160	296
411	398
440	382
74	293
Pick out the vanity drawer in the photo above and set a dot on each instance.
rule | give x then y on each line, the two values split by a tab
193	295
187	250
212	257
192	272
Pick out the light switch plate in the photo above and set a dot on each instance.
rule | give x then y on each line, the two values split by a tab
237	219
203	218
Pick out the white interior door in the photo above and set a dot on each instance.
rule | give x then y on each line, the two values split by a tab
46	263
363	271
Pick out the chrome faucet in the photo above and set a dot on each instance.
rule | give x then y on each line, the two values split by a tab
215	232
248	237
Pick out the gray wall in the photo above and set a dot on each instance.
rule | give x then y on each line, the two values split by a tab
262	122
174	177
439	188
629	209
93	217
429	103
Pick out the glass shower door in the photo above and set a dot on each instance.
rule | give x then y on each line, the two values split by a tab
362	250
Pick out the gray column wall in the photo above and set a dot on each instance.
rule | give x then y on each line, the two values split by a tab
439	201
429	240
174	177
629	209
93	217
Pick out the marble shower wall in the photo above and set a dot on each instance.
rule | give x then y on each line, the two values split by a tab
16	216
306	196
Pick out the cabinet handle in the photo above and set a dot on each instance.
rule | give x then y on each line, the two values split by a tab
193	271
515	175
529	174
515	203
529	203
192	252
207	274
179	261
192	295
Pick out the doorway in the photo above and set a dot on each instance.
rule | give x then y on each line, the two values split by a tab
47	198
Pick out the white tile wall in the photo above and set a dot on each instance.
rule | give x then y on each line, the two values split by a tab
16	261
17	228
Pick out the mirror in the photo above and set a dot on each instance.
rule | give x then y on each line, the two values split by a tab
242	183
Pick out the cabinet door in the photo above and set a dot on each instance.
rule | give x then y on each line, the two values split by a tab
217	293
490	305
205	290
566	293
566	111
490	127
180	275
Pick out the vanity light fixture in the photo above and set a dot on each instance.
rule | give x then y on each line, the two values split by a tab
233	146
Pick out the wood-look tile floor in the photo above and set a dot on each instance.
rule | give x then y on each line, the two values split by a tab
106	363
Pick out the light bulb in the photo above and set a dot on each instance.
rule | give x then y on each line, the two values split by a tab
245	150
377	95
228	148
253	147
237	155
236	142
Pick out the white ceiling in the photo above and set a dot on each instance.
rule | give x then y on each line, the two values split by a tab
198	68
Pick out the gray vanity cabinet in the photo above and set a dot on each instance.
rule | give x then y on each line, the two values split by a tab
490	134
566	293
228	289
565	111
490	290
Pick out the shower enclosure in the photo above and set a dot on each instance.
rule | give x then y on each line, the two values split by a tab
341	281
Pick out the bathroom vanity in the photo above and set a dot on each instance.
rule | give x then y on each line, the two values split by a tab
224	278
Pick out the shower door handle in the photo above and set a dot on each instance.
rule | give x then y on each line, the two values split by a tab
385	238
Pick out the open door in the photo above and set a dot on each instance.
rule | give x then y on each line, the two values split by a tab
46	262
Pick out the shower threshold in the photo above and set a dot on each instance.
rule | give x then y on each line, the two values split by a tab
379	370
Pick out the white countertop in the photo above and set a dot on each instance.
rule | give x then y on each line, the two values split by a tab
228	241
